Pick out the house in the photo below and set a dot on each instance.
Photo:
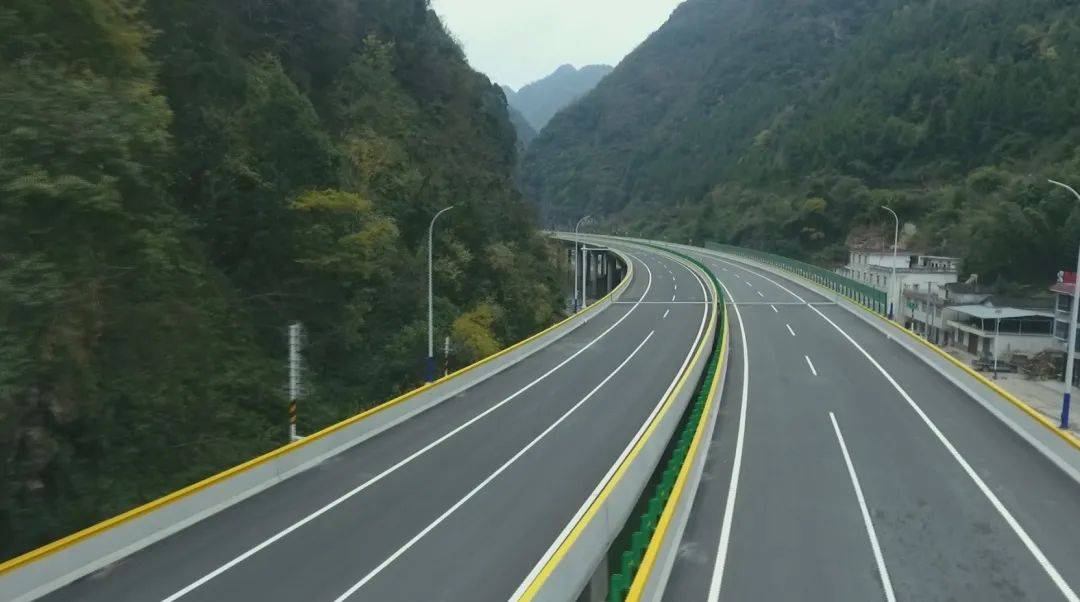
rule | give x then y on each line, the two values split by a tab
967	317
913	270
992	330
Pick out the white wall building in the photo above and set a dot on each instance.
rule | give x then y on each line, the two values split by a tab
913	271
985	330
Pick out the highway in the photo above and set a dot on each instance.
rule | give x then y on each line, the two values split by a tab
458	503
842	467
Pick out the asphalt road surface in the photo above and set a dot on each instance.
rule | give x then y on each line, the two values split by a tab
458	503
862	474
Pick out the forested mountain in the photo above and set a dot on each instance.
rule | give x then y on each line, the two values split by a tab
783	124
542	99
180	180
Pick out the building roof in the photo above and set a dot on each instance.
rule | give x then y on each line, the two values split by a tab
963	288
1065	288
989	312
886	251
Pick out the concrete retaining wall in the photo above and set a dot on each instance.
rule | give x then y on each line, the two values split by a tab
50	567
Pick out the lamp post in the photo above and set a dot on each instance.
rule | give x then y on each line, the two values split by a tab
896	243
1072	329
577	258
430	299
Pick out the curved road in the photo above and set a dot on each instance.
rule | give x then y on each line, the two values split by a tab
862	474
460	502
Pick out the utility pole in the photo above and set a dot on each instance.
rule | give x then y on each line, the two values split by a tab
430	299
997	335
584	271
295	384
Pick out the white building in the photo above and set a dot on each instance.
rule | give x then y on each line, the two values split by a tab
913	271
988	331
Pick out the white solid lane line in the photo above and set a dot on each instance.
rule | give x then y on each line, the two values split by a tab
1022	534
1032	547
883	572
442	517
666	313
789	329
736	468
316	514
619	461
811	364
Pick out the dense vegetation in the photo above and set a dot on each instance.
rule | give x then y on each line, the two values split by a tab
785	124
180	180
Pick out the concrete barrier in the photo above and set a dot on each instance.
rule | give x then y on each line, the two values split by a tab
659	559
45	569
566	570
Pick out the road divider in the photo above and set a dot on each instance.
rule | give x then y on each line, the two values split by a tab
54	565
644	567
568	566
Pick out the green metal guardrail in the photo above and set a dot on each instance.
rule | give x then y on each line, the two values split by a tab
852	289
630	559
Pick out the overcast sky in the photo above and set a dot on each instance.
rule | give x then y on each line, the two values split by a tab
516	42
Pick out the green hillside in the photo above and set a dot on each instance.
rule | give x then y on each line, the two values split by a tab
180	180
784	124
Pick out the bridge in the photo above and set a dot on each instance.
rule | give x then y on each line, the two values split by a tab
722	425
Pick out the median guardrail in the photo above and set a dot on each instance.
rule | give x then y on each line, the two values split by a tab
564	573
645	566
52	566
852	289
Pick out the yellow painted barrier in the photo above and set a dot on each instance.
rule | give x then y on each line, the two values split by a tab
697	446
103	526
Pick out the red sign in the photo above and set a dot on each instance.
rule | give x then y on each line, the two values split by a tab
1066	277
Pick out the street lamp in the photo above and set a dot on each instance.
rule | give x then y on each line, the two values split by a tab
896	243
430	297
1072	330
576	258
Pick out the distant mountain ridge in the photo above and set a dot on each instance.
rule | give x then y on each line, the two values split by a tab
539	101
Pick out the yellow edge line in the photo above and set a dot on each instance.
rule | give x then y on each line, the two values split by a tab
637	588
78	536
1016	401
563	549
